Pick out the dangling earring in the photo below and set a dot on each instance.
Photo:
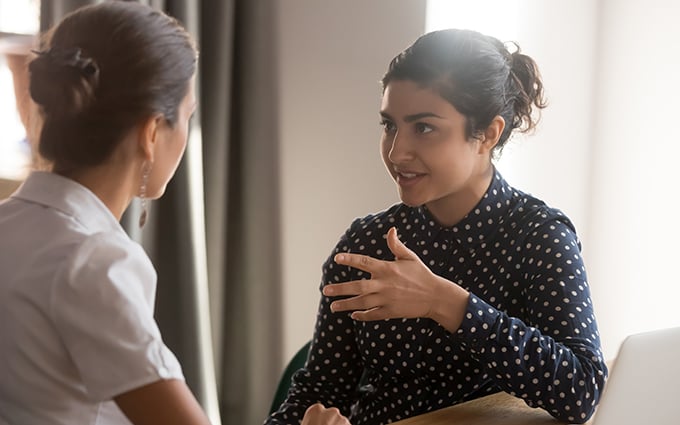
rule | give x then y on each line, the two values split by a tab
142	194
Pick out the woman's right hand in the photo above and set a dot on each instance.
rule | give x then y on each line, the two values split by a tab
317	414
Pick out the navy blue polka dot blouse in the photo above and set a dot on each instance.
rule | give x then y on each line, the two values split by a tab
529	329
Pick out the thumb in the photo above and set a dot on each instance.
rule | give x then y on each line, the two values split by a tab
400	251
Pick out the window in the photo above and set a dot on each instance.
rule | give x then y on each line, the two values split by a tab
19	23
497	18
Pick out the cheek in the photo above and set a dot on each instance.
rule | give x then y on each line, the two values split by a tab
456	163
167	163
181	146
385	146
179	143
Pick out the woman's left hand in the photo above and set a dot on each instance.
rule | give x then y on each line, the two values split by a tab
403	288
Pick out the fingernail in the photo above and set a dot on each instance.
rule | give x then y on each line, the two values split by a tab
339	257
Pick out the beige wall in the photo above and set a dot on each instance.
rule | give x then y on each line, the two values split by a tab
331	57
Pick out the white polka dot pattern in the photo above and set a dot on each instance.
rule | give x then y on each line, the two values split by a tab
529	328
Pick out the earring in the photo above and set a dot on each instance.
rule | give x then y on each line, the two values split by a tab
142	194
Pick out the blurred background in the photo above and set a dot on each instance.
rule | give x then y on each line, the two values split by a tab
285	156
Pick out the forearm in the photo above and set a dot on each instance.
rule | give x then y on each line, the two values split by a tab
449	303
165	401
564	377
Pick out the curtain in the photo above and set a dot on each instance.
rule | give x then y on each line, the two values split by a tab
214	236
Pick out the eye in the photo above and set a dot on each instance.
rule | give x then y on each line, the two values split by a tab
388	126
423	128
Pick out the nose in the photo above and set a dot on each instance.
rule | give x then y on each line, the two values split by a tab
400	149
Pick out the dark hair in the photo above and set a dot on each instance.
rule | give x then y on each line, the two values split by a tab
478	75
104	69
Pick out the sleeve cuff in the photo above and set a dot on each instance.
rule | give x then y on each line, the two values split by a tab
478	324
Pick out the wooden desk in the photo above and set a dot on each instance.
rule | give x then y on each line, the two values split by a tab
7	187
495	409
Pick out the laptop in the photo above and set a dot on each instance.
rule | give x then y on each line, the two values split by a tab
644	382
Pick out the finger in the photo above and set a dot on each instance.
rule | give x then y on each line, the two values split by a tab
315	408
317	414
360	302
372	314
332	416
400	251
358	261
355	287
313	414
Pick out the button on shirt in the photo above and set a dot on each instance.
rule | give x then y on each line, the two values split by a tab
76	308
529	328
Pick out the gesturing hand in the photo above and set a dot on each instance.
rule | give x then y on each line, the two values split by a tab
317	414
403	288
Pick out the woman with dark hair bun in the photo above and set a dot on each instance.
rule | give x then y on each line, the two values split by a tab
115	86
467	287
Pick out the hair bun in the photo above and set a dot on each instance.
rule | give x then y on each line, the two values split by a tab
63	80
70	57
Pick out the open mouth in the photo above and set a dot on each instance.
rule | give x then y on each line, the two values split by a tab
407	178
407	175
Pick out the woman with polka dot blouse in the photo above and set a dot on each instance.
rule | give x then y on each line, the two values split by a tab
468	286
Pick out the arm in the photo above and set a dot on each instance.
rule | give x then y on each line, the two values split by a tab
102	308
334	366
168	402
548	354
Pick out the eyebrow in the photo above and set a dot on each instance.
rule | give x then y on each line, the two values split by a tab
413	117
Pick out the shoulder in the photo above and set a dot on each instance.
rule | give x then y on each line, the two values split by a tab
109	284
529	211
518	212
534	220
380	222
366	234
104	267
108	249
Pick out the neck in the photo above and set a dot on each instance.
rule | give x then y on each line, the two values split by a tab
114	185
450	210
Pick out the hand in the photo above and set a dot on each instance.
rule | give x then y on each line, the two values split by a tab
403	288
317	414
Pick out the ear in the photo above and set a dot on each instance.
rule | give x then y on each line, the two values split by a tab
491	134
148	136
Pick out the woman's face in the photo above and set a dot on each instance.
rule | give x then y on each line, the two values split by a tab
426	152
172	142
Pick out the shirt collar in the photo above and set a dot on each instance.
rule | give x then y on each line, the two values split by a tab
483	220
69	197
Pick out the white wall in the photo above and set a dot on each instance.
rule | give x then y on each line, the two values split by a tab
331	57
552	162
634	208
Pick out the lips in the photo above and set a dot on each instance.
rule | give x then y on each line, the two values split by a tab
407	178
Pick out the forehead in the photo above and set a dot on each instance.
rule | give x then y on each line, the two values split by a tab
405	97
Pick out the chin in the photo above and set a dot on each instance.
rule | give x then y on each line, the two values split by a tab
160	192
411	202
